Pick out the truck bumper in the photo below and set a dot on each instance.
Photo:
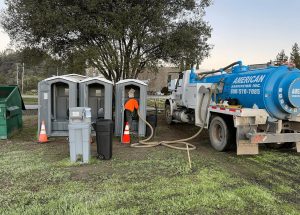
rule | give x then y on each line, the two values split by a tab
250	146
274	138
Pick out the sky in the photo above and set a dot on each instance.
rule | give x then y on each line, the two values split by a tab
4	39
253	31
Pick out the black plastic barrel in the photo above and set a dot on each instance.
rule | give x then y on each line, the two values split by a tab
152	119
104	135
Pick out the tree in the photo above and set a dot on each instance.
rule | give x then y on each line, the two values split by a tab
120	38
38	65
281	57
295	55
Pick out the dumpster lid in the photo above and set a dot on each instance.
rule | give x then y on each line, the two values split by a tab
7	93
23	105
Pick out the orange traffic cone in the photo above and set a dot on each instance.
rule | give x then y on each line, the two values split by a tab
43	136
126	135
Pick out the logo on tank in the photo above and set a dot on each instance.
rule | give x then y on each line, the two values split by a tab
249	79
247	85
295	92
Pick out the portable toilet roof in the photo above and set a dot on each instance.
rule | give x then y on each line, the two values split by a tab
70	77
91	79
131	80
75	76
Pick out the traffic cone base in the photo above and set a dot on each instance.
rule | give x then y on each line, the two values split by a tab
43	138
126	135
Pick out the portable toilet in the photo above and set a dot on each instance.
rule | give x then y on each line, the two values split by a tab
96	93
123	89
11	106
56	95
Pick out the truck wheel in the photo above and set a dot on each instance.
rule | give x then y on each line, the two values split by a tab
219	134
168	114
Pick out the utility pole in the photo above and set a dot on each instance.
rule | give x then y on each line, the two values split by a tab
17	74
23	79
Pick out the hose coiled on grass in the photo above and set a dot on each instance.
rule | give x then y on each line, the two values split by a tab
169	143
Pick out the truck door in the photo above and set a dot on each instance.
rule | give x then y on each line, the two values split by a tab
179	89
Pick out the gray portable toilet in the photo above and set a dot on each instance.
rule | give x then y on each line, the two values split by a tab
97	93
55	96
122	89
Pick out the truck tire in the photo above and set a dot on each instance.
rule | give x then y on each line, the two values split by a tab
220	134
168	115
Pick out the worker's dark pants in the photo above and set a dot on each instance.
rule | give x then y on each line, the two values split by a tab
129	117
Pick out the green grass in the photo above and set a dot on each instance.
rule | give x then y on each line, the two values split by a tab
30	101
40	179
160	103
29	130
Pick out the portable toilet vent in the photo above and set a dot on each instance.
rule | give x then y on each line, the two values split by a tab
56	95
96	93
125	90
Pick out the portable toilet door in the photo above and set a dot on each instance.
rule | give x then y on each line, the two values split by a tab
56	95
122	96
96	93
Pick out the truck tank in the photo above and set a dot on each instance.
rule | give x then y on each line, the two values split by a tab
274	88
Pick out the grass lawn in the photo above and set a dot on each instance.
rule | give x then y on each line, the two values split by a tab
39	179
160	103
30	101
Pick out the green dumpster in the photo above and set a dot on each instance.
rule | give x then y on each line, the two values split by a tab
11	106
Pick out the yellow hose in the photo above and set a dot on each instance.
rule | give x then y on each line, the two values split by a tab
169	143
144	143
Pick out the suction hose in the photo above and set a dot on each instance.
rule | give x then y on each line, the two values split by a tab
169	143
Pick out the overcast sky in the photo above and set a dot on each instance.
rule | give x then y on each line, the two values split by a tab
253	31
4	39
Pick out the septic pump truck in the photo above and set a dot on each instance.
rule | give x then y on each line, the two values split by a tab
240	106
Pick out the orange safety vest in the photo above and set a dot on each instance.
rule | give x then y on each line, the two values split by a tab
131	104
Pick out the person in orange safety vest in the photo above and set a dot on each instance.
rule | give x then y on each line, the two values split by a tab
130	107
